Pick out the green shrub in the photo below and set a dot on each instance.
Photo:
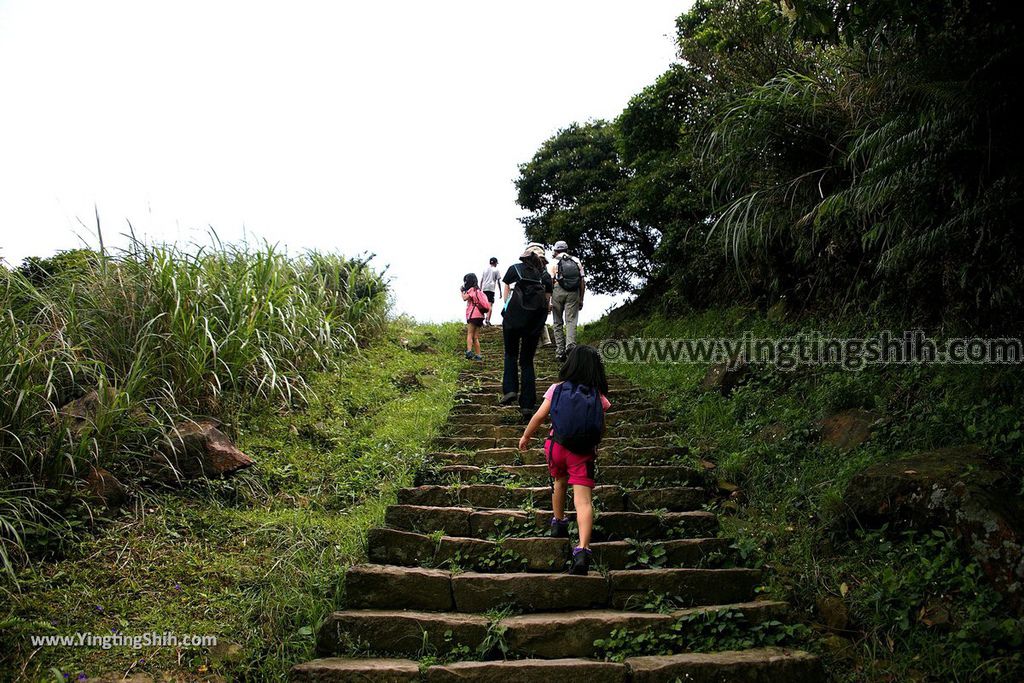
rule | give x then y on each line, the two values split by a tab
162	334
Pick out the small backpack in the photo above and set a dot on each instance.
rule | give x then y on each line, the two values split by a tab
577	416
479	300
568	274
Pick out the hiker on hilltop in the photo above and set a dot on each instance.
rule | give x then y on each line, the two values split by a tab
489	280
527	296
567	298
576	404
477	307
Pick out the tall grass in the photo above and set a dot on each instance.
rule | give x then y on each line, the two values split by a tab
162	333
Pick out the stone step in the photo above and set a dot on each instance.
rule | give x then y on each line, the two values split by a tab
611	498
492	418
546	376
527	671
539	635
474	443
760	665
615	389
390	587
679	553
686	586
647	449
606	498
633	476
608	526
343	669
489	398
611	452
498	430
503	454
532	554
636	409
410	549
484	415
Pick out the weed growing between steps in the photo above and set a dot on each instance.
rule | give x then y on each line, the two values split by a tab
706	631
257	560
913	607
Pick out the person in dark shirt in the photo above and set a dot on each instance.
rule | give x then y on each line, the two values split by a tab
527	297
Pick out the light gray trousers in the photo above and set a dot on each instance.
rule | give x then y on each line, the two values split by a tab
565	309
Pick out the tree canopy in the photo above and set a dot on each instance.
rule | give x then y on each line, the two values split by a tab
842	153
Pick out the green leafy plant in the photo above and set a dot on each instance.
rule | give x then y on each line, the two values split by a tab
646	554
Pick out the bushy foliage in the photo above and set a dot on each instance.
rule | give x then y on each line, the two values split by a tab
919	606
841	153
160	334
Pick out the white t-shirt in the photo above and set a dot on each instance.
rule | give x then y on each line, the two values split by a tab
490	278
553	266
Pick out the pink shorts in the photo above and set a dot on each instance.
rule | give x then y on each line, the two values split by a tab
562	462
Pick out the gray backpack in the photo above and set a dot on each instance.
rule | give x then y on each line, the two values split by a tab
568	274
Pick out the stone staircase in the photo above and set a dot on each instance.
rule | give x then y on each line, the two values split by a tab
463	584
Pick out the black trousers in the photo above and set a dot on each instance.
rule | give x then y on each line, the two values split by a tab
520	348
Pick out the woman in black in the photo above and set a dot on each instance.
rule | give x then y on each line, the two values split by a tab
526	311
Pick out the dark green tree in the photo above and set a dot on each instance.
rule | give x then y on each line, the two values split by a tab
576	190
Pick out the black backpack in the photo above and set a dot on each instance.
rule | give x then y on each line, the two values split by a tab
568	274
528	293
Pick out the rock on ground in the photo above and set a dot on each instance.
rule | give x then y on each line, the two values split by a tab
957	488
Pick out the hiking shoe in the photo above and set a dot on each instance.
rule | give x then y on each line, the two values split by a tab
559	527
560	358
469	355
580	561
477	356
509	398
527	414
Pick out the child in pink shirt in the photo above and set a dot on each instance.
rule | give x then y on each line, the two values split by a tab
577	405
477	306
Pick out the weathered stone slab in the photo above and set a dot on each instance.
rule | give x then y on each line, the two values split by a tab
528	671
540	554
453	521
673	499
496	456
363	670
469	443
683	552
689	586
475	592
572	634
399	631
386	587
762	665
486	522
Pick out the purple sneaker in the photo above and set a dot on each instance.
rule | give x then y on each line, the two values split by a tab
580	561
559	527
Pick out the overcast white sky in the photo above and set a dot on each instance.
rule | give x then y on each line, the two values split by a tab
390	127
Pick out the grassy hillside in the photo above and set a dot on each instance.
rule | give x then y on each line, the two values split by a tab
257	559
882	590
160	335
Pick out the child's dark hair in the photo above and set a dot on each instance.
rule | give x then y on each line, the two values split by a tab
469	281
584	366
